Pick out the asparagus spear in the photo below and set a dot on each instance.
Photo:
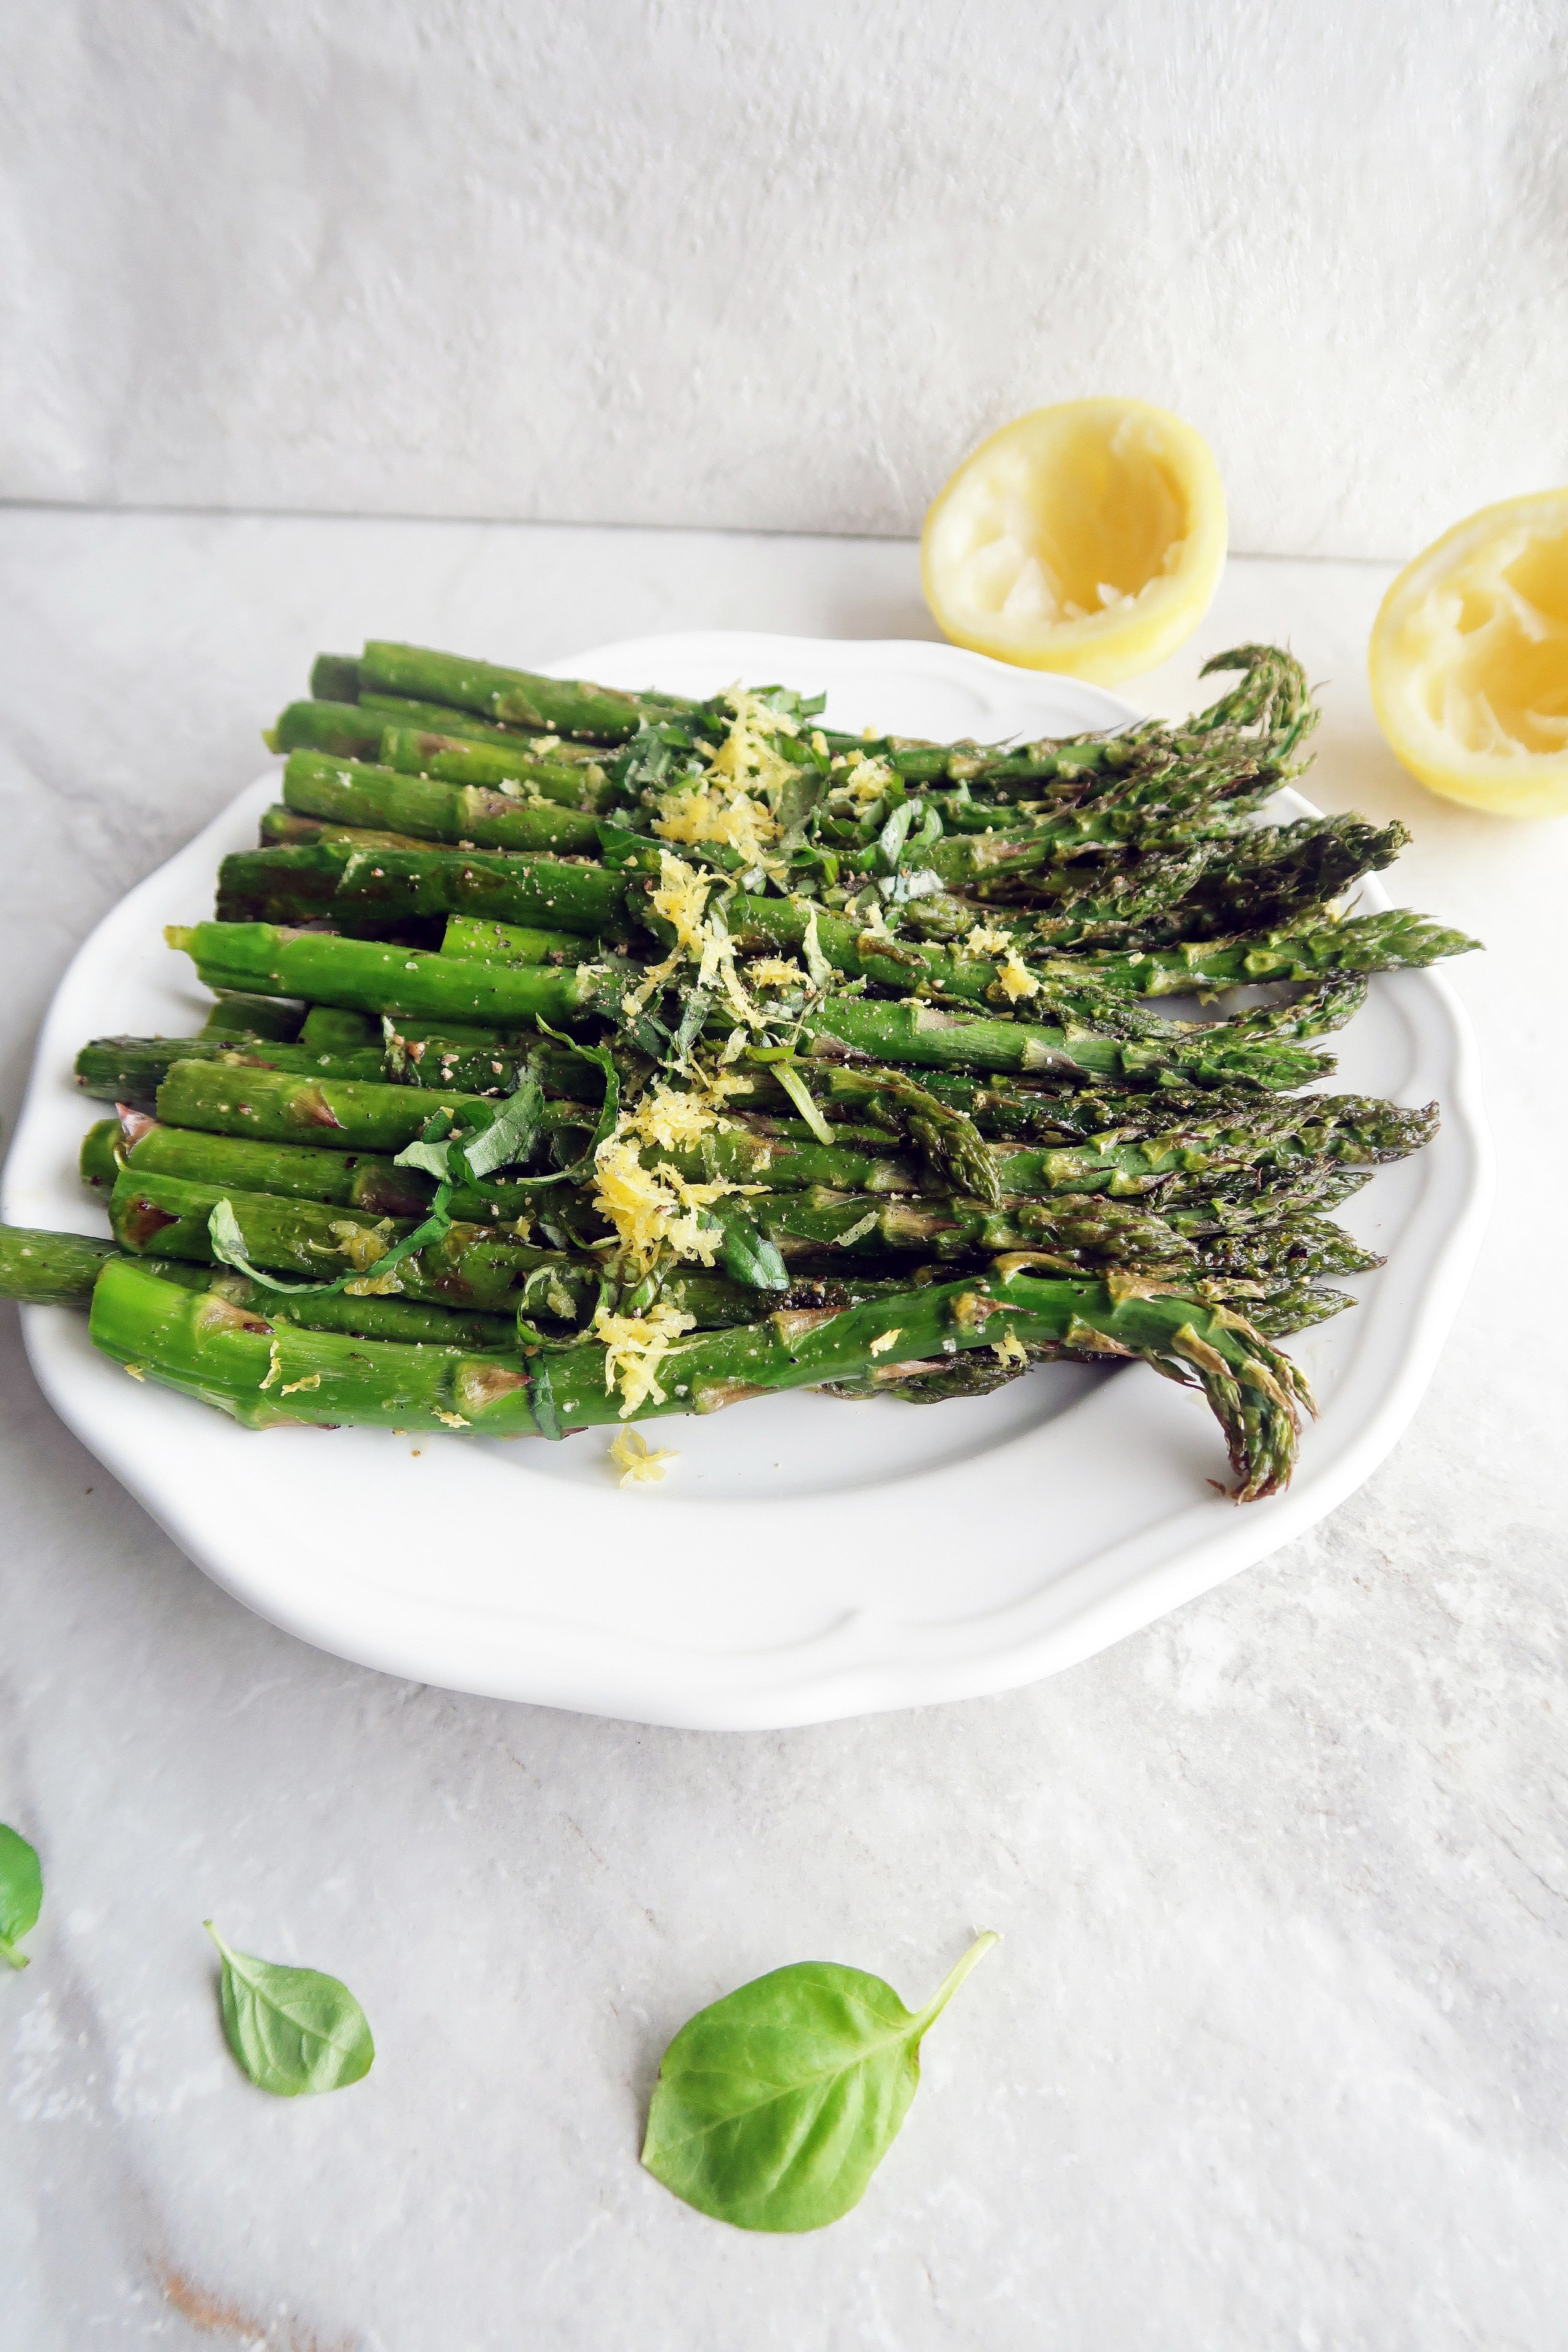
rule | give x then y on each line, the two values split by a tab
50	1269
1257	880
1393	942
1397	940
328	726
246	1018
375	978
334	677
131	1069
283	828
556	902
472	1267
60	1270
210	1350
520	698
567	774
1271	698
353	793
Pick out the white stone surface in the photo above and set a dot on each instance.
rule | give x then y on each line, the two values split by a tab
1273	2055
777	268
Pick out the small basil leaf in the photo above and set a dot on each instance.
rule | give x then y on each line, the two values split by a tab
895	833
751	1257
430	1159
541	1396
292	2029
21	1894
510	1134
694	1012
774	2106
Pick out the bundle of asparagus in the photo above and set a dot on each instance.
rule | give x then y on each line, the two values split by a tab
578	1057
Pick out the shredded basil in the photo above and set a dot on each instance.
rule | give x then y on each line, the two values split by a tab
228	1247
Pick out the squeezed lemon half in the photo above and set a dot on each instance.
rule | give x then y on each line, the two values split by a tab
1468	660
1088	537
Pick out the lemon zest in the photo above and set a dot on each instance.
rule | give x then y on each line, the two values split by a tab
1015	978
634	1347
639	1462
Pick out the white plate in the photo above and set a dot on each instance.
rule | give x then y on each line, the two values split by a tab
804	1559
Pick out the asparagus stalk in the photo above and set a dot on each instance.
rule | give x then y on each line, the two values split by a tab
327	726
472	1267
372	978
246	1019
60	1270
1397	940
210	1350
567	774
50	1269
410	983
557	903
352	792
518	698
131	1069
283	828
334	677
1393	942
1254	881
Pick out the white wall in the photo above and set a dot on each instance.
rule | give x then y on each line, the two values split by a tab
778	263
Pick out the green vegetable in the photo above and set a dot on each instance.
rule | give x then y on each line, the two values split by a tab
774	2106
21	1894
292	2029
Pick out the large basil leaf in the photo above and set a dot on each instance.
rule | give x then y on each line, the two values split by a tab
21	1894
774	2106
292	2029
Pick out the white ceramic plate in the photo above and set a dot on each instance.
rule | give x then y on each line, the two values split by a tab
804	1559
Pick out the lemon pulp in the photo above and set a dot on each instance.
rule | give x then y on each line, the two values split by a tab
1088	538
1468	659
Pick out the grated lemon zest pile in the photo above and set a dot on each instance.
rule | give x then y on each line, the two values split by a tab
676	1120
1009	1350
658	1207
638	1463
634	1347
682	898
879	1346
735	804
775	971
702	813
1015	979
864	782
985	939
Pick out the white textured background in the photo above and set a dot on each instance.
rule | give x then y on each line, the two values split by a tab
776	265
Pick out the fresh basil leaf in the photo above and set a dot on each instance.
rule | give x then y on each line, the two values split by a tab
511	1135
228	1248
292	2029
895	833
750	1256
694	1012
430	1159
541	1396
21	1894
774	2106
